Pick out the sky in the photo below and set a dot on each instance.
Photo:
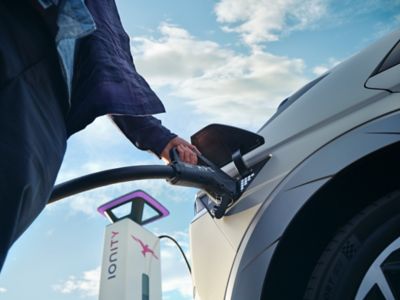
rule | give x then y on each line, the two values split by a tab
221	61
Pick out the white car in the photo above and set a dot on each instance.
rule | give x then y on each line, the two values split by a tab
321	218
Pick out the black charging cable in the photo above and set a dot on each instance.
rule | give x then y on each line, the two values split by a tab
180	249
209	178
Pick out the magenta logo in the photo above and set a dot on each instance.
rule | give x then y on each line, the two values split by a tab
145	248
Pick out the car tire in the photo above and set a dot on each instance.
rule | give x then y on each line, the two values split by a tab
362	261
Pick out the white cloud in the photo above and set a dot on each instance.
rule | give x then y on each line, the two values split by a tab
87	203
92	164
86	286
321	69
220	84
2	290
260	21
176	56
179	283
264	20
101	140
104	131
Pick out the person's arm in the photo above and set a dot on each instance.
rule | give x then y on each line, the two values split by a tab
147	133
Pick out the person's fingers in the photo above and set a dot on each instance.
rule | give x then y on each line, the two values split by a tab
184	151
194	148
189	145
186	154
193	157
180	151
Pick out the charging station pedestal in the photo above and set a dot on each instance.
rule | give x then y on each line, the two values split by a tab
131	267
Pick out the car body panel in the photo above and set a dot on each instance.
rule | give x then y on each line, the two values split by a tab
252	276
213	259
273	218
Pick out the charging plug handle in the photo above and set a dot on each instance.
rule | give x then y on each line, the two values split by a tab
208	178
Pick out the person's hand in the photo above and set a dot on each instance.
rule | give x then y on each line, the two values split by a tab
187	152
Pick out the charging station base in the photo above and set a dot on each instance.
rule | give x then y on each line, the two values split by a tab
131	266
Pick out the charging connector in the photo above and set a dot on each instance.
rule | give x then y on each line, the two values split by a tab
206	176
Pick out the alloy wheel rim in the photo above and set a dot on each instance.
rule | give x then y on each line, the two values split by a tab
383	274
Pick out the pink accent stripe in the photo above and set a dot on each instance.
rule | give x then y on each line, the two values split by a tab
128	197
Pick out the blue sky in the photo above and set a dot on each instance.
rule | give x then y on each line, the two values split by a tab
226	61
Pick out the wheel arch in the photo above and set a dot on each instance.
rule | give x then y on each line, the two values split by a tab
274	240
307	235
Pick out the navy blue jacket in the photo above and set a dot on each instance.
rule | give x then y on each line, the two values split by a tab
106	82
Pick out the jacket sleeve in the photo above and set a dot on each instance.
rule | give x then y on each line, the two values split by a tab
145	132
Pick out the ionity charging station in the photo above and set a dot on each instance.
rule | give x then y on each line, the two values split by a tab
131	267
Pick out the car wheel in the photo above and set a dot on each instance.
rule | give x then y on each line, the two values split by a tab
362	262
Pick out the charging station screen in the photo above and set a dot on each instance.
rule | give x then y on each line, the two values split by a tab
145	287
